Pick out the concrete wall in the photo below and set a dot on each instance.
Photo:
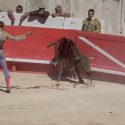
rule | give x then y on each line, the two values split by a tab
110	11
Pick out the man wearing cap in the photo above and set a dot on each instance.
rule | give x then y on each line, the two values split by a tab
41	15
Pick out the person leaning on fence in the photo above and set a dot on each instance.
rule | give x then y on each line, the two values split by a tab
91	24
3	36
41	15
58	12
19	9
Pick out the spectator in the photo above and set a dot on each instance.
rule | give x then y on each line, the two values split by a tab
91	24
58	12
19	9
41	15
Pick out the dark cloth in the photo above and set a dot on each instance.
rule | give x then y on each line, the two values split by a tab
41	17
1	47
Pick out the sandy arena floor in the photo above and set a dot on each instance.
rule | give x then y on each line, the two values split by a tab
34	102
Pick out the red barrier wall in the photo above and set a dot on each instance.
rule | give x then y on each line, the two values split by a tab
33	46
110	55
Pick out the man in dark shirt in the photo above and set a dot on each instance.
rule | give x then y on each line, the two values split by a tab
41	14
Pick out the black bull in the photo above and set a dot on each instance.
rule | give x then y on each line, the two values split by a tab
68	56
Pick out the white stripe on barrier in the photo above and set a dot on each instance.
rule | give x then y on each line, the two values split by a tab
108	71
10	59
102	51
29	60
50	62
33	61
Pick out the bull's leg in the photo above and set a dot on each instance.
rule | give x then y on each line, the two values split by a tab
60	71
79	75
90	77
73	73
